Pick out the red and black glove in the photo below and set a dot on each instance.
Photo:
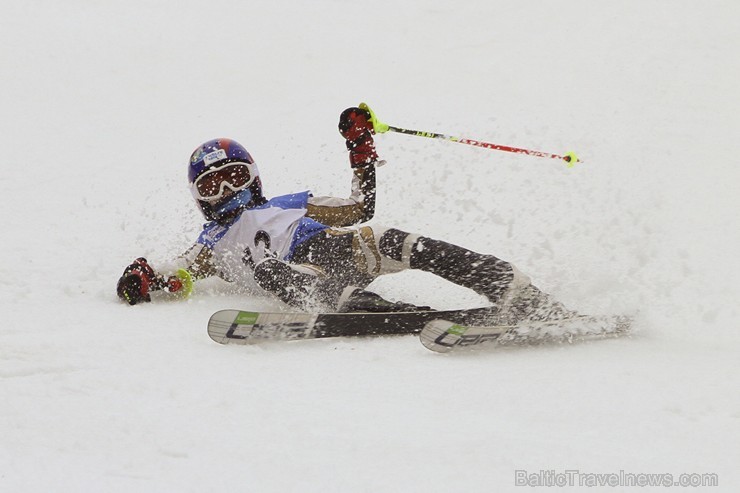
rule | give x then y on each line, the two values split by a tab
136	282
357	128
139	279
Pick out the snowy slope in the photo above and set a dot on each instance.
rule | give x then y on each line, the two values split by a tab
102	103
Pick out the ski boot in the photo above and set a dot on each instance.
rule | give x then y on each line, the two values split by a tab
528	303
355	299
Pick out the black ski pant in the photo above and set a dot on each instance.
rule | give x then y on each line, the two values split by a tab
338	258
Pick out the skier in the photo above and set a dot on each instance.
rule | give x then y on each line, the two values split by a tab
316	253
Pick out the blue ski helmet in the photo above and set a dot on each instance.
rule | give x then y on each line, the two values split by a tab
217	153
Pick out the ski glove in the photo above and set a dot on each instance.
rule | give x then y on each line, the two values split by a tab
355	122
356	127
139	279
133	286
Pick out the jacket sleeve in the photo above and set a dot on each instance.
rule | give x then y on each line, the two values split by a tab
359	207
197	260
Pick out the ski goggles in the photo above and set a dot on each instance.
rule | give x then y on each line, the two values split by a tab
236	175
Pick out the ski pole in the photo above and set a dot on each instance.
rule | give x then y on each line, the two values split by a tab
379	127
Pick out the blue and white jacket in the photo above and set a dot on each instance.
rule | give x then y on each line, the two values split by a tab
275	229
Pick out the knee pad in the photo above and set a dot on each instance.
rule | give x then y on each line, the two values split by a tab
385	250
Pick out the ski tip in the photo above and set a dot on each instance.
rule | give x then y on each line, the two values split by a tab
221	325
441	335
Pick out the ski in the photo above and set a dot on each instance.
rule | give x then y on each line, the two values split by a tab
444	336
245	327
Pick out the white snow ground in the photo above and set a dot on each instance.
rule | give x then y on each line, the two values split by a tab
102	103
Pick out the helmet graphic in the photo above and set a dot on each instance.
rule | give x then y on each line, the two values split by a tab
223	179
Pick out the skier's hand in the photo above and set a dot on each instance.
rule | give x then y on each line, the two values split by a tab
354	123
136	282
356	127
